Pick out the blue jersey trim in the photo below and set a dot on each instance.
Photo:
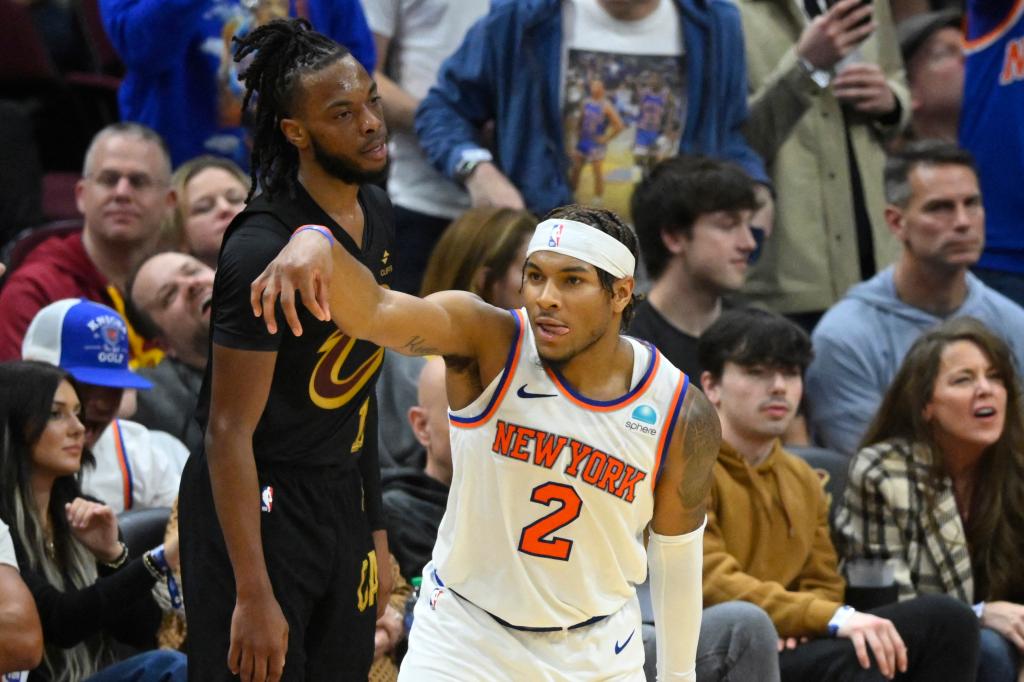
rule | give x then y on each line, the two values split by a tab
506	377
670	424
639	388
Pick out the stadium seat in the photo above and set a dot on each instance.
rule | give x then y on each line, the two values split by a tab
143	529
833	469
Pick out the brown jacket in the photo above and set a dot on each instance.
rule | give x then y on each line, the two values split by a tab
767	542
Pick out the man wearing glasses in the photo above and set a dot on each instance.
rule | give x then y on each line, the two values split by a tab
123	195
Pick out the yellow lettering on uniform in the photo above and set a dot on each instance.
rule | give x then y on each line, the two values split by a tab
357	444
366	595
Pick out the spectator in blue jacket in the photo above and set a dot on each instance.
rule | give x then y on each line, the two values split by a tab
181	79
672	70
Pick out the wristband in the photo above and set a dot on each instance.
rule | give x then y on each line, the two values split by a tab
155	561
121	558
149	561
839	619
160	559
316	228
979	609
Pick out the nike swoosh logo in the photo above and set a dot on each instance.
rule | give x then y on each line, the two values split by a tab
523	393
620	647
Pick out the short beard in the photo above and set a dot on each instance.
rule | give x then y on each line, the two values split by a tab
341	169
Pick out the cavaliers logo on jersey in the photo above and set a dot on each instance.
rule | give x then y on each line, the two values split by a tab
327	388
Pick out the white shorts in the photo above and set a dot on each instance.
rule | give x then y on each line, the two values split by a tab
452	639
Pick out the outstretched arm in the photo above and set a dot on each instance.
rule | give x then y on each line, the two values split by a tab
333	284
675	548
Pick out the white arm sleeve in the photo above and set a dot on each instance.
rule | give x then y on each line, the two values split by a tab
676	564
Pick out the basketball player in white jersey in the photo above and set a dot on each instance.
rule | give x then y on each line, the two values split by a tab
569	443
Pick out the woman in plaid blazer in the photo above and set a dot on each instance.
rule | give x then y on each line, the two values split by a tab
940	489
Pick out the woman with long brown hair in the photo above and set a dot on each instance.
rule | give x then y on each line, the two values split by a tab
86	589
938	485
482	251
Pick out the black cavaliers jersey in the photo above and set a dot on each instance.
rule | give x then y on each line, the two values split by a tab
320	398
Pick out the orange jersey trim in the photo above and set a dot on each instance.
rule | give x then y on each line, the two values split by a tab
122	462
506	380
983	41
669	425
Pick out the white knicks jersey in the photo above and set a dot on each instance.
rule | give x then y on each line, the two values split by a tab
552	492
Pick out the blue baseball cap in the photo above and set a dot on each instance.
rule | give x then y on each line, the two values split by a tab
87	339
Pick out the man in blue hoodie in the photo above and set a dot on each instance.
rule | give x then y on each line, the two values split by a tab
181	79
525	66
935	211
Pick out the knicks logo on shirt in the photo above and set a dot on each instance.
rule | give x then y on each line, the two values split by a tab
327	388
1013	62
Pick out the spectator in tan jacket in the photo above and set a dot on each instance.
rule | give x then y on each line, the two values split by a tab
767	538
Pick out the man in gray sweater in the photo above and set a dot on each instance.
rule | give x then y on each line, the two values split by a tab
934	208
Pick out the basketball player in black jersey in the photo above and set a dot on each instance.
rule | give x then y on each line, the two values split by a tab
280	516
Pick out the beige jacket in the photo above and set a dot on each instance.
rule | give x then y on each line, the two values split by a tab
811	258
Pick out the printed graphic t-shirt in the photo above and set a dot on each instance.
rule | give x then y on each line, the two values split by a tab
623	98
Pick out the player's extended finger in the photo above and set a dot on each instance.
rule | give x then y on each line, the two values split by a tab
268	299
310	295
259	667
275	666
256	292
245	669
323	290
291	314
234	656
882	648
861	650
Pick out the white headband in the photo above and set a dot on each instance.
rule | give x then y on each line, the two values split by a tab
589	244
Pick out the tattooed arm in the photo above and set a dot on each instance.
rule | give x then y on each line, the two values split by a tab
685	482
675	550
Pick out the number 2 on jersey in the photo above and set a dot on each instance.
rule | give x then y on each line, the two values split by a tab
534	539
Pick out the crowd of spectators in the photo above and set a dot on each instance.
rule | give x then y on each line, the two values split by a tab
826	196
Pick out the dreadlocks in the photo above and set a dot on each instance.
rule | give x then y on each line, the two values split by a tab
283	50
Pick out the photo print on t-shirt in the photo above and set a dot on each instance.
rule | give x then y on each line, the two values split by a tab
622	114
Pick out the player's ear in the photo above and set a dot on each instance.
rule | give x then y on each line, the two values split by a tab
294	132
622	293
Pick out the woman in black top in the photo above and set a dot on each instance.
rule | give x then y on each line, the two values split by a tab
68	546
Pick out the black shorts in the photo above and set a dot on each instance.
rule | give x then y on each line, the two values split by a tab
318	548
